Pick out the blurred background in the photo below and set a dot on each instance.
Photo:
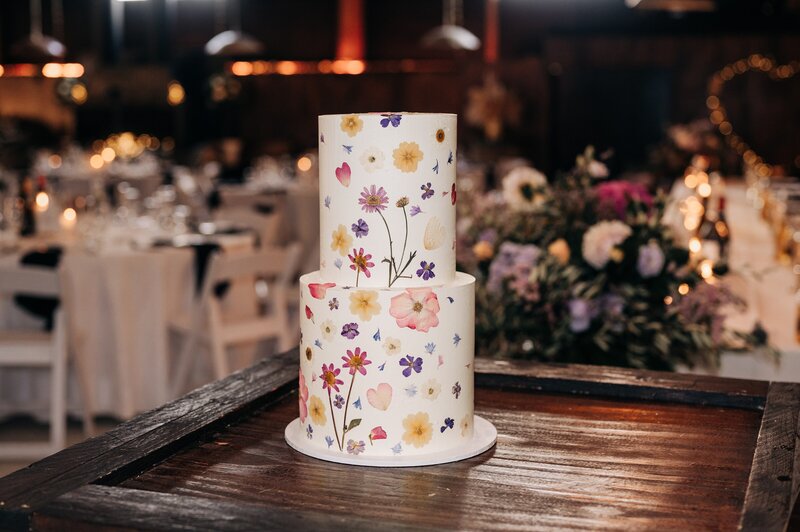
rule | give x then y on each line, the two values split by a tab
147	145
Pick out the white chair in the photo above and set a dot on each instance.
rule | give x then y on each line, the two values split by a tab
36	349
267	226
278	266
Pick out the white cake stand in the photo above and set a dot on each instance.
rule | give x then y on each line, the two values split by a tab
484	437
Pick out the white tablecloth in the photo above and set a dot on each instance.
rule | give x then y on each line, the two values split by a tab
118	324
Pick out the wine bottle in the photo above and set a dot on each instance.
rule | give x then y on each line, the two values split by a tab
27	225
713	233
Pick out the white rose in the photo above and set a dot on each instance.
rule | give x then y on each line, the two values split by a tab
524	188
601	239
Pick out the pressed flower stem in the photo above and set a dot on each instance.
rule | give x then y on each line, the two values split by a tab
391	248
346	405
333	420
358	272
405	240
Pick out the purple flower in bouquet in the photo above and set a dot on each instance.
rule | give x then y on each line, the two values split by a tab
512	261
613	305
426	270
581	313
350	330
705	303
360	228
650	261
613	197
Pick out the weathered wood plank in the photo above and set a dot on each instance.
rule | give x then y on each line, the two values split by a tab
137	443
103	507
621	383
775	473
572	462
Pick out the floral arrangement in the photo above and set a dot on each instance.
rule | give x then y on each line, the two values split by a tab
582	270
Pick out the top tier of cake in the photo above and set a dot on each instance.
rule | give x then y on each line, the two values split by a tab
387	199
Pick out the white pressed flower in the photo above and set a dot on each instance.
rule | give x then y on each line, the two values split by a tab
371	159
430	390
600	241
328	330
434	234
391	346
524	188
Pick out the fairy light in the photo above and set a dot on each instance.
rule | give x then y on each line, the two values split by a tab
54	161
718	114
690	180
304	164
695	245
96	161
683	289
668	300
706	269
42	201
704	190
108	154
79	94
175	93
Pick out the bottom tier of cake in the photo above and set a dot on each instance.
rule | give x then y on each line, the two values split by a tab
387	372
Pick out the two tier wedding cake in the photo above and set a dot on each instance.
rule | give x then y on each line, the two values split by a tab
387	324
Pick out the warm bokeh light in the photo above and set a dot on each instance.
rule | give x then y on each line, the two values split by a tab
42	201
70	214
325	66
690	180
343	66
260	67
242	68
2	70
175	93
54	161
96	161
683	289
694	245
108	154
304	164
72	70
704	189
286	68
52	70
668	300
706	269
79	94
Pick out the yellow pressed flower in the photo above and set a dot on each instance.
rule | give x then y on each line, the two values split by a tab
341	240
351	124
418	429
560	250
407	156
364	304
316	408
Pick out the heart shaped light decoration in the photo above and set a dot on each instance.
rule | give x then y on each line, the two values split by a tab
718	115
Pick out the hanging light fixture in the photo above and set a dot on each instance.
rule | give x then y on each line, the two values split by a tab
234	42
451	35
37	47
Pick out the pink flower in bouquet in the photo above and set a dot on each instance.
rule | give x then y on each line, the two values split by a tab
613	197
377	434
318	289
303	398
416	308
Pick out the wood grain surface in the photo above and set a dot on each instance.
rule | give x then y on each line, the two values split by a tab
561	461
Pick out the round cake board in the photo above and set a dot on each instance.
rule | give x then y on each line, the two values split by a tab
484	438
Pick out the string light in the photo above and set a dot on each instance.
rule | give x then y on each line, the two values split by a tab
175	93
683	289
718	114
42	201
304	164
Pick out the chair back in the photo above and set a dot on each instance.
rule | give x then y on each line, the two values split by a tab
267	226
29	280
279	264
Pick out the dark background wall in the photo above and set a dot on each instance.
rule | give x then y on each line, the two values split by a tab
585	71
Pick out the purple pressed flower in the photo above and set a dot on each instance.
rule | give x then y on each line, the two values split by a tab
338	401
456	389
333	304
355	447
415	210
373	200
309	432
426	270
427	191
360	228
350	330
411	364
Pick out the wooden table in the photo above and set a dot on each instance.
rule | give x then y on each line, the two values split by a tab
579	447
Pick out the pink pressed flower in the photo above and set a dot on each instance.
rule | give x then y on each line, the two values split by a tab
343	174
372	200
303	398
361	261
416	308
309	314
377	434
356	360
329	378
318	289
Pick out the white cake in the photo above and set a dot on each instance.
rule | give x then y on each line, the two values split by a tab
387	325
